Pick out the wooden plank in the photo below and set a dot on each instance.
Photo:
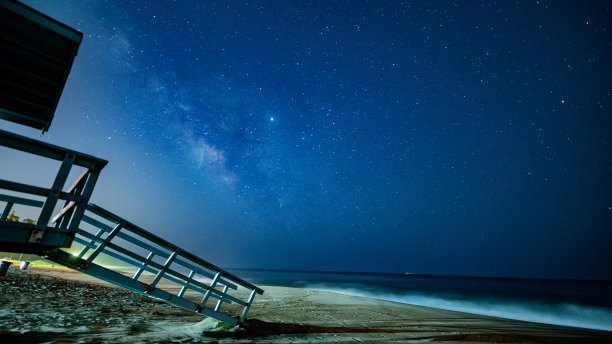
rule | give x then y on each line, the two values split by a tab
23	188
80	181
63	212
22	201
26	144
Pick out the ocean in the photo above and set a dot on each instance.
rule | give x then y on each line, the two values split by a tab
576	303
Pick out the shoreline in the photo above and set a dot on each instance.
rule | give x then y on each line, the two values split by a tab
526	311
67	304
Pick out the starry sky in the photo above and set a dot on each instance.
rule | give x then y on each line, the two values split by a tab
443	137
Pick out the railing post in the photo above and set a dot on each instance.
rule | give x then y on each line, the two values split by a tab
221	300
163	270
102	245
86	248
63	218
52	197
7	211
141	269
210	289
77	215
182	292
248	305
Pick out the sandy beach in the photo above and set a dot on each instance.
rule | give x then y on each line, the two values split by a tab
43	305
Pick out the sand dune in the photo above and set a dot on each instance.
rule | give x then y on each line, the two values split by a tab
63	306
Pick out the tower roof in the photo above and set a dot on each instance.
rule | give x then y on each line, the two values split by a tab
36	54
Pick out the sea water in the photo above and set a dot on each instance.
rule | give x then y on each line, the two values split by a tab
576	303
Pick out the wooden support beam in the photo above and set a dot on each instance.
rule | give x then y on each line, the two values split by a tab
21	200
165	268
23	188
7	211
182	292
144	264
64	213
51	201
248	305
102	245
88	188
224	292
91	242
62	219
48	150
210	290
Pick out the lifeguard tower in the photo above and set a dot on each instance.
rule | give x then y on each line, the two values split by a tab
36	55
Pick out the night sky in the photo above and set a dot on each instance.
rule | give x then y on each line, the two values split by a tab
461	138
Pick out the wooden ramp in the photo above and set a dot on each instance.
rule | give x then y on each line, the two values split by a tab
107	238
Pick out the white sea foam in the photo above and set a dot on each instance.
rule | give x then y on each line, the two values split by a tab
197	330
591	317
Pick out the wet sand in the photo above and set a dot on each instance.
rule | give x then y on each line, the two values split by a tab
64	306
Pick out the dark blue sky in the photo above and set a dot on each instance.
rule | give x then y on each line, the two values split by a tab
468	138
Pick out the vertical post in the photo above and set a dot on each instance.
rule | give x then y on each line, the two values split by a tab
82	204
221	300
248	305
63	218
52	197
86	248
141	269
163	270
7	211
102	245
210	289
180	294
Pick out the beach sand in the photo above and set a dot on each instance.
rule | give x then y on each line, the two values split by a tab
64	306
